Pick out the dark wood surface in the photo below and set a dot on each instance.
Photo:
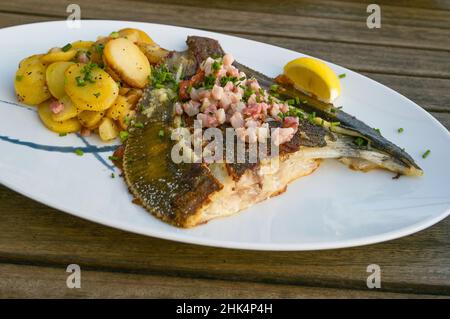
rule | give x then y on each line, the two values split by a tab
410	53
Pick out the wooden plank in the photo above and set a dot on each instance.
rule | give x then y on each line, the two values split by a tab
250	22
340	10
441	5
33	233
23	281
362	58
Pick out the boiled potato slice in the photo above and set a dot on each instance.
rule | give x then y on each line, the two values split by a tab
153	52
119	109
135	35
82	45
57	54
55	78
127	60
107	129
97	95
69	111
124	121
90	119
29	83
68	126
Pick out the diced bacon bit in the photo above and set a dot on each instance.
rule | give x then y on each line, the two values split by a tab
56	107
217	92
207	66
229	86
178	109
291	121
228	59
207	120
282	135
253	110
284	107
254	85
220	115
237	120
85	132
82	57
191	108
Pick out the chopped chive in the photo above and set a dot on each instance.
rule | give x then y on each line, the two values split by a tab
113	158
19	78
274	87
377	130
80	81
161	133
216	65
138	125
126	120
114	34
123	135
425	155
67	47
113	175
343	75
335	123
62	134
79	152
360	141
400	130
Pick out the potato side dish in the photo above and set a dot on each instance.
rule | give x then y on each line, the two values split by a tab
88	86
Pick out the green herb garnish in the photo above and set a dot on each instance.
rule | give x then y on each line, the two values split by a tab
425	155
123	135
79	152
360	141
19	78
114	158
216	65
66	48
161	133
139	125
274	87
400	130
114	34
343	75
113	175
99	48
377	130
225	79
62	134
80	81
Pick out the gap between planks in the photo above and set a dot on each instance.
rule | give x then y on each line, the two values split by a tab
252	22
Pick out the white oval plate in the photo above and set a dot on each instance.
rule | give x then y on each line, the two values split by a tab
332	208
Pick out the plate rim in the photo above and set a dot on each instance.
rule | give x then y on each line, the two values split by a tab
189	239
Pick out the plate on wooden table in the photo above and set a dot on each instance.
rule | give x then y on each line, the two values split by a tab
332	208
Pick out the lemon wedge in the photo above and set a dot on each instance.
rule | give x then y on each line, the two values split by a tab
314	77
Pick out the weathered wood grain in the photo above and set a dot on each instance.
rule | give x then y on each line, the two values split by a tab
20	281
225	20
33	233
440	5
340	10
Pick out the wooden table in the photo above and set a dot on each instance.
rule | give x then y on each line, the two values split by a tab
410	53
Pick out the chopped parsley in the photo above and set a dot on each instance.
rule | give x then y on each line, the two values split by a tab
79	152
400	130
311	117
123	135
114	158
80	81
113	175
67	47
425	155
247	93
360	141
161	133
377	130
62	134
209	81
343	75
19	78
335	123
127	120
138	125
